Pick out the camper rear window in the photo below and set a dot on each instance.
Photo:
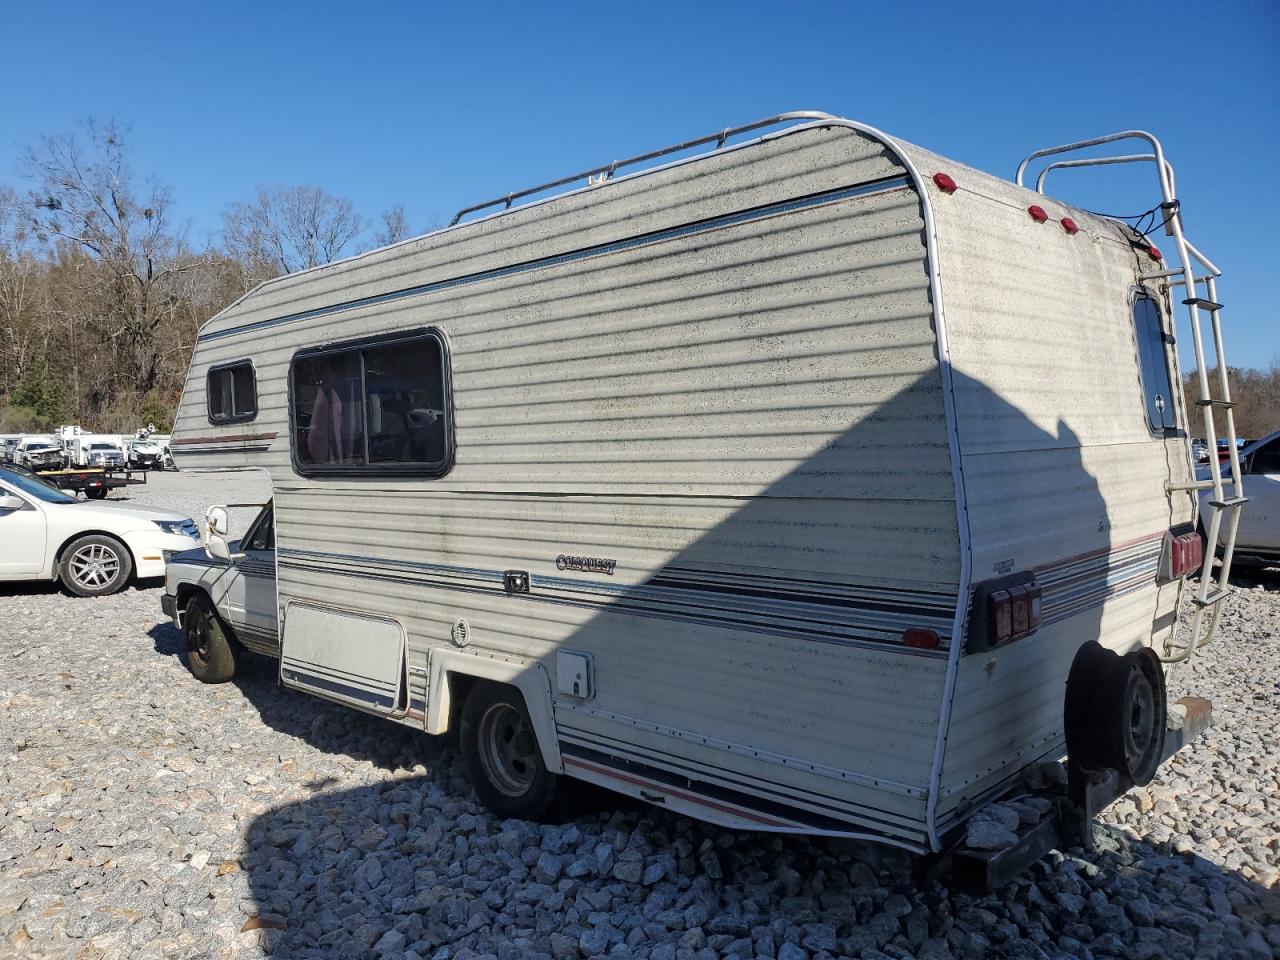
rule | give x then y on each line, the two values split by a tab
1154	367
372	406
232	392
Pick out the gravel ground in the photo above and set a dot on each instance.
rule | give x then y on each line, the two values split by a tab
146	815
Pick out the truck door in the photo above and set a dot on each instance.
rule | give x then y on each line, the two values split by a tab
257	567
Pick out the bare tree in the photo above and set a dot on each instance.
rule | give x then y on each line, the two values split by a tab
395	227
21	287
87	196
286	229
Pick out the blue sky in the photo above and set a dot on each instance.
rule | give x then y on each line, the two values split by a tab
437	106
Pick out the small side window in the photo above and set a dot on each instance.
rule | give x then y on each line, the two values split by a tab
232	392
1153	364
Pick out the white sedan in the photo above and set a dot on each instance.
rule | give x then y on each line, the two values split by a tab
1258	536
93	548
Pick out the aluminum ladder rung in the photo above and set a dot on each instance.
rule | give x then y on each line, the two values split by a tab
1202	303
1216	597
1229	504
1224	404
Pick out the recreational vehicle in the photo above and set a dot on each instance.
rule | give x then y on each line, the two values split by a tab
802	480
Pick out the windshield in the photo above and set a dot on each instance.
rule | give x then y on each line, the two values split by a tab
35	487
39	446
101	446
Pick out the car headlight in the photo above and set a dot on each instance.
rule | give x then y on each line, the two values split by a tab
183	528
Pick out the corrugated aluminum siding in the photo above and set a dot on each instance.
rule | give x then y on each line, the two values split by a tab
1057	458
747	418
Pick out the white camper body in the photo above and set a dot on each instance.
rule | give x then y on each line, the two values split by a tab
717	457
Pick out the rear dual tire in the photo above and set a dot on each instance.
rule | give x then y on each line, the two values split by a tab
501	755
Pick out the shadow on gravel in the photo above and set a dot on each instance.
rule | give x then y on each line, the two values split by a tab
415	868
37	588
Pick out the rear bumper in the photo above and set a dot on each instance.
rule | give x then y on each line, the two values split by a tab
1086	795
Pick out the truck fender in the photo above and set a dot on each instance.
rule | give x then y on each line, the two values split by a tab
529	677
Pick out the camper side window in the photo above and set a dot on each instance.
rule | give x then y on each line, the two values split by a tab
1154	367
232	392
380	405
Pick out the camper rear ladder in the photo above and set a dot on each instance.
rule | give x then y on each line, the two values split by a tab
1209	593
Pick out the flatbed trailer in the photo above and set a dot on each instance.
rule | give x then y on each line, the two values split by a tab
96	483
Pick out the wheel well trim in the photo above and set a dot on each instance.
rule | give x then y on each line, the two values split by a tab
527	677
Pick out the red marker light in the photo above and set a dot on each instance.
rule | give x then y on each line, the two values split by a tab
1037	213
921	638
1069	225
1154	253
944	183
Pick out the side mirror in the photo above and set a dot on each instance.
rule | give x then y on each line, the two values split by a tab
217	548
216	519
10	502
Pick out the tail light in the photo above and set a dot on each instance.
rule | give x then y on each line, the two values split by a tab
1012	613
1004	610
1183	554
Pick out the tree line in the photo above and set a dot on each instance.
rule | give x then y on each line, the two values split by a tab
1256	394
102	291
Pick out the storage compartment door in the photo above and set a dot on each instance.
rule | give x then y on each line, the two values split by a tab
342	655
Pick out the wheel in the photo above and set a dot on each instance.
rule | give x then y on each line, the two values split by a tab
95	565
1116	711
500	752
95	493
213	653
1138	698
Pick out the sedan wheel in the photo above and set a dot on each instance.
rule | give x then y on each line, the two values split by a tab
95	566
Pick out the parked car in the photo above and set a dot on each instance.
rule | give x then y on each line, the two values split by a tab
146	455
105	454
38	453
92	548
7	447
223	605
1258	533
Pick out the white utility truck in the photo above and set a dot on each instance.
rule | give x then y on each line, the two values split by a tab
812	482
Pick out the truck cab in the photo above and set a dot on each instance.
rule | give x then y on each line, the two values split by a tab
225	604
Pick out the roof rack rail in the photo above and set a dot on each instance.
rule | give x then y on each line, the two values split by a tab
606	172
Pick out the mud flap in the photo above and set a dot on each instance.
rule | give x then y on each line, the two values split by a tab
342	655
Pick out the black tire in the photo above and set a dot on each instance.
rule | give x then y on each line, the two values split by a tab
501	755
213	652
1139	696
95	493
1116	711
95	565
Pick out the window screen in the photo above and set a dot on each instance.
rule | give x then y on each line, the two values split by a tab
1154	366
232	393
376	406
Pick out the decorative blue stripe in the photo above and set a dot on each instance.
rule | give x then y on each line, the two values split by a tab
342	689
616	246
842	620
